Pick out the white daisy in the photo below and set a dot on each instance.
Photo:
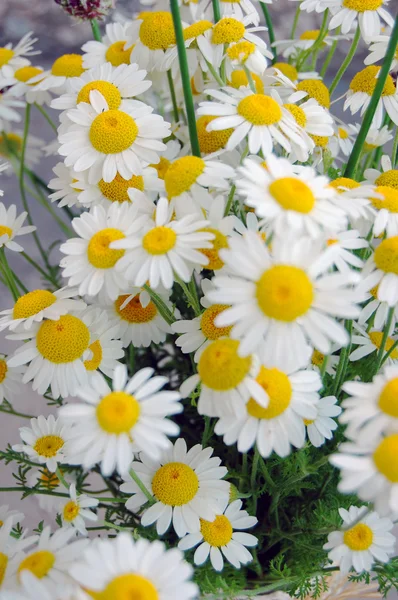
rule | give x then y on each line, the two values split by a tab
67	186
339	252
9	547
322	426
11	227
332	360
6	515
11	143
187	486
367	12
369	342
106	347
75	511
377	51
387	176
114	48
106	141
10	380
363	539
293	47
384	209
343	139
375	311
153	34
315	123
354	199
62	70
218	538
376	137
12	58
116	422
241	8
8	104
381	270
245	54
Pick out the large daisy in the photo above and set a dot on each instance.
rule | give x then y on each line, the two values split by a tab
11	226
114	48
62	70
153	35
366	12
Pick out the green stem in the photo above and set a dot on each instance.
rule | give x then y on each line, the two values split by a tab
295	21
215	74
38	268
95	29
250	79
318	42
132	358
142	487
343	362
391	350
328	58
370	111
47	117
173	95
271	34
191	297
324	365
346	61
21	286
9	275
386	333
41	200
230	200
113	526
6	411
61	478
186	80
160	305
394	153
216	10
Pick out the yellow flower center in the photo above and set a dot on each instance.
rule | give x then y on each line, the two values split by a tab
315	89
116	190
197	29
369	147
388	399
68	65
71	511
26	73
279	390
311	34
320	140
386	255
134	312
221	368
39	563
98	252
288	71
117	55
385	457
32	303
365	81
3	557
259	109
162	167
159	240
157	31
389	179
317	358
118	412
175	484
3	370
342	133
4	230
239	79
389	200
182	174
209	329
284	293
308	421
211	141
218	532
48	445
344	182
362	5
292	194
128	587
241	51
11	143
109	91
227	31
48	479
298	114
63	341
94	362
113	131
359	537
220	241
6	55
376	338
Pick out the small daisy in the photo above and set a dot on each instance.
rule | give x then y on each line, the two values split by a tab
116	422
381	270
10	380
314	121
106	141
106	346
6	515
375	137
376	310
8	104
11	227
66	185
293	47
339	252
332	360
240	9
377	51
76	510
153	34
247	55
387	177
343	139
9	547
63	69
363	539
353	198
24	82
47	481
163	249
12	58
187	486
367	12
114	48
322	426
122	567
218	538
46	441
11	143
369	342
385	211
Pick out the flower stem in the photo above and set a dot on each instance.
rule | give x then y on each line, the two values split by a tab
370	111
386	333
142	487
318	42
173	95
343	362
61	478
250	79
295	21
47	117
271	34
328	58
160	305
394	153
346	61
9	410
8	275
95	29
215	74
216	10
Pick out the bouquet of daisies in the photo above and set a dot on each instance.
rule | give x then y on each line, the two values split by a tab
214	346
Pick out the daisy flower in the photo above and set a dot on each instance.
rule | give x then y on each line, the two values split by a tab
114	48
343	139
284	299
46	441
63	69
7	515
9	547
116	567
8	104
24	82
280	423
363	539
332	360
312	88
375	137
376	308
385	211
106	141
367	12
240	9
219	539
162	249
322	426
211	141
245	54
106	346
293	47
66	185
339	252
369	342
153	35
288	199
11	227
116	422
187	486
75	511
387	177
222	227
377	52
314	121
12	58
11	143
381	270
10	380
353	198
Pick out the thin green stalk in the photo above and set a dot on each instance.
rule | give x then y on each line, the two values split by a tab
47	117
95	29
271	34
173	95
215	74
19	283
113	526
318	42
328	58
324	365
38	268
343	361
61	478
132	358
346	61
49	207
9	275
29	490
295	21
11	411
160	305
394	153
230	200
142	487
216	10
186	80
250	79
387	354
367	163
386	333
191	297
370	111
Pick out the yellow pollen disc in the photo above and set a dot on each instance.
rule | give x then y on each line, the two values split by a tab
159	240
259	109
182	174
292	194
63	341
26	73
241	51
331	242
4	230
98	252
157	31
288	70
385	457
118	412
344	182
211	141
389	179
317	358
175	484
218	532
71	511
209	329
11	143
162	167
284	293
108	90
95	360
113	131
3	370
32	303
315	89
6	55
227	31
117	55
221	368
48	479
279	390
386	255
365	81
359	537
342	133
128	587
48	445
3	557
298	114
362	5
68	65
377	336
197	29
320	140
369	147
311	34
220	241
116	190
389	200
388	399
39	563
308	421
134	312
239	79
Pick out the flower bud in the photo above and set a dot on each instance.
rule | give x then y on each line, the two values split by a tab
87	9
